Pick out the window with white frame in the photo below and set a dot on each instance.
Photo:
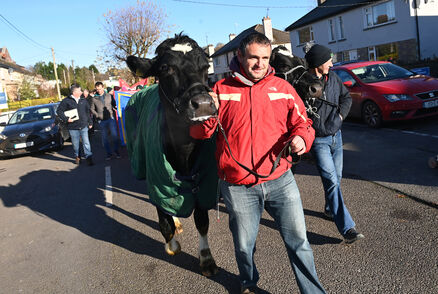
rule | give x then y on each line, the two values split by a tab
217	60
340	28
305	35
379	14
336	29
331	30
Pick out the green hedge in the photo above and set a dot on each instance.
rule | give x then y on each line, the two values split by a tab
14	105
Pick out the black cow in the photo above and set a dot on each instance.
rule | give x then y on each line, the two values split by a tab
294	70
182	69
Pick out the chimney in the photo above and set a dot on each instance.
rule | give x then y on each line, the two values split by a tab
231	36
320	2
210	50
267	28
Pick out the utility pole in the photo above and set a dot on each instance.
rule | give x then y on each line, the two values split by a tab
56	75
73	67
65	80
94	78
68	78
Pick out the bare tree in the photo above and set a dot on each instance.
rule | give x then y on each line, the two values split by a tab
133	30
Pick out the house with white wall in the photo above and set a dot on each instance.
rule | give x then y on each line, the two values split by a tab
223	56
12	77
209	50
401	30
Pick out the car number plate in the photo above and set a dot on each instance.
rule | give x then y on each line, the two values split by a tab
430	104
23	145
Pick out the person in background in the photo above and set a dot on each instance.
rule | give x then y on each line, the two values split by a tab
77	127
89	97
261	113
327	147
104	107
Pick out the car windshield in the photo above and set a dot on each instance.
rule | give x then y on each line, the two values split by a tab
381	72
30	115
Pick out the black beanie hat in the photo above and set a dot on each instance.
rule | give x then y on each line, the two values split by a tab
318	55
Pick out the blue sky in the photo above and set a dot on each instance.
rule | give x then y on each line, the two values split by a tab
74	28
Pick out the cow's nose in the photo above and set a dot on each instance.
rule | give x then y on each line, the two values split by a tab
203	105
315	90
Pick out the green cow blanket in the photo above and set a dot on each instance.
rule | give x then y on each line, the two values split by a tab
175	194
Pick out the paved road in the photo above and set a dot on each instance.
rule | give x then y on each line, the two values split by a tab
58	235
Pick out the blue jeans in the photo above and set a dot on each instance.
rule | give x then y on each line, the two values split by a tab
110	126
328	154
75	135
282	201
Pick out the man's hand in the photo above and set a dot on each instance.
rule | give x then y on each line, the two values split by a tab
298	145
70	120
90	126
215	99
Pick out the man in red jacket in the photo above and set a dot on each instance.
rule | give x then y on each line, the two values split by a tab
260	114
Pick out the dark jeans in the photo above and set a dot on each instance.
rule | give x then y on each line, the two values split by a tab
109	131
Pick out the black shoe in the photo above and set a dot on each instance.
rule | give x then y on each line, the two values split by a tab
108	157
90	161
352	236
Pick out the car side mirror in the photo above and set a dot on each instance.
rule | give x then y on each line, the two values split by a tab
348	84
3	124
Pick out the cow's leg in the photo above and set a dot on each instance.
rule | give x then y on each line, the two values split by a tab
178	225
206	261
167	228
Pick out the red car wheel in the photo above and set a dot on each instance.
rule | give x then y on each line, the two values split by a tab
371	114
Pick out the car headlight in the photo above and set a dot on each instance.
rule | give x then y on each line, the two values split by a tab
48	128
3	137
397	97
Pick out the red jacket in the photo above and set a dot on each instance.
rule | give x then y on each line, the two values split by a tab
258	119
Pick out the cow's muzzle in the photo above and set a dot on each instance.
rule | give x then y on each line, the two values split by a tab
201	107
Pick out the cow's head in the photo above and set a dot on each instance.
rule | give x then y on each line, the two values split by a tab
181	67
293	69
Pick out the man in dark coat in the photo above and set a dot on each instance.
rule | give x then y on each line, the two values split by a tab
78	121
327	147
104	107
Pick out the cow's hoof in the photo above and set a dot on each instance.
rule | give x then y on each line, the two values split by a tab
172	248
207	263
178	225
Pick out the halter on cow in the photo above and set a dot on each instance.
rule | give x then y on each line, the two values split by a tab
293	69
180	100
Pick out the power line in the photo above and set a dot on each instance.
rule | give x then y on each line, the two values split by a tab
240	5
280	7
21	33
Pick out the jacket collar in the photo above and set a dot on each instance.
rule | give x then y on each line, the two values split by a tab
239	74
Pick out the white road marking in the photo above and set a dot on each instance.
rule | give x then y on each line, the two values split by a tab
420	134
108	187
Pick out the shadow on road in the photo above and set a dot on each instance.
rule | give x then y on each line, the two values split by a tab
77	206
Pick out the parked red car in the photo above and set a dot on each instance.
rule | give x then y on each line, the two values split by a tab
383	91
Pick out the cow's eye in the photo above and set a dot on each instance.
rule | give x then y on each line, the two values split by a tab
164	68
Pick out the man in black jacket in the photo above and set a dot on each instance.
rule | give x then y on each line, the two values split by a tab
78	122
327	147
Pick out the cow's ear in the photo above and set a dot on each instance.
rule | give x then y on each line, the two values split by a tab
142	67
